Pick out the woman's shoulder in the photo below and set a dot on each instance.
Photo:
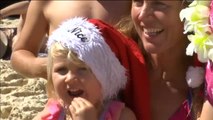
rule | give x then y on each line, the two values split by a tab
127	114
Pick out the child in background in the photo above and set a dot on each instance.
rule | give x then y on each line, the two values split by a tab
85	72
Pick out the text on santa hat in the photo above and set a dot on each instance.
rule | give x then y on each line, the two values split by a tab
79	34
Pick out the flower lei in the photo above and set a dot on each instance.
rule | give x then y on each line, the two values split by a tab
198	20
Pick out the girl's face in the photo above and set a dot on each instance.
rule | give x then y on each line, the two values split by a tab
158	24
70	80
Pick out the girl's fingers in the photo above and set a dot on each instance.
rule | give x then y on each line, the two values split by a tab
72	109
75	104
84	102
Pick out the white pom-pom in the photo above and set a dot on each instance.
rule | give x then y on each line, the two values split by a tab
195	76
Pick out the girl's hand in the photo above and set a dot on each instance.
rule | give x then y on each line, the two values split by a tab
82	109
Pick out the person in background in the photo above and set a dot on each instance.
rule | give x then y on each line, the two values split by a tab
45	16
17	8
86	70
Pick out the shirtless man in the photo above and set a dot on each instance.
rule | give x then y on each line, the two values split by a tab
43	17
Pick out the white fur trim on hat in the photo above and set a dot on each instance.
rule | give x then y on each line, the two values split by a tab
83	37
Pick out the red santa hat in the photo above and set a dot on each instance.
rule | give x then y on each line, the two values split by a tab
112	57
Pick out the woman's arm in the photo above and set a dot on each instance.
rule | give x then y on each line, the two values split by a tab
207	111
15	9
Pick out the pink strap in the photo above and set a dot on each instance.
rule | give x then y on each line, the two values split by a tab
54	109
183	113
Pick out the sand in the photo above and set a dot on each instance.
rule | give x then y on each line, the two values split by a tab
20	98
9	23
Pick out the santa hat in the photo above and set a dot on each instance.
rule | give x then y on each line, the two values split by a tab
112	57
87	42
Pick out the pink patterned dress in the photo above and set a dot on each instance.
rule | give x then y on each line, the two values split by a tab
112	111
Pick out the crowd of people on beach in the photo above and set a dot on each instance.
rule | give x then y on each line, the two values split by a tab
149	60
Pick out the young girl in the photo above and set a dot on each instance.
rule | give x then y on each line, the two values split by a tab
84	72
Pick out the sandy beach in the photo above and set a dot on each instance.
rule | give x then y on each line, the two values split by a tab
21	98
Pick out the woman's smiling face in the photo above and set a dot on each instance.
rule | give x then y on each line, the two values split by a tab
158	24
